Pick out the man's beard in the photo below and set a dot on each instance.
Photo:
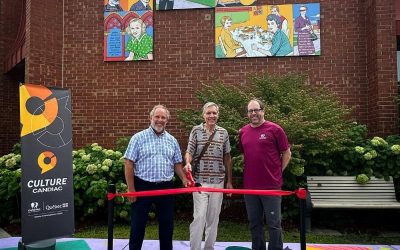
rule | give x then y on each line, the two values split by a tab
158	129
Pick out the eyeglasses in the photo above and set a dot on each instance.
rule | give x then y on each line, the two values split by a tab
250	111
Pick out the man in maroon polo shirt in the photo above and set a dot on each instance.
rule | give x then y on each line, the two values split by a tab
266	153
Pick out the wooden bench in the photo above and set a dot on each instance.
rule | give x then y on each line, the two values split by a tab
344	192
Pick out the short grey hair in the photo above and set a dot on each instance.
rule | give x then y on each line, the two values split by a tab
159	107
210	104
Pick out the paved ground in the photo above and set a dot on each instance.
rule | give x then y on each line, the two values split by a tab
101	244
3	234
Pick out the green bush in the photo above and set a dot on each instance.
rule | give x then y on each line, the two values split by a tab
10	179
341	161
94	168
122	143
314	119
376	157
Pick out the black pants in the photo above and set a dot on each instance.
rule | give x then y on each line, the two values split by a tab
164	212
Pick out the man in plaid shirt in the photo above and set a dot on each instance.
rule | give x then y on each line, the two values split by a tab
152	157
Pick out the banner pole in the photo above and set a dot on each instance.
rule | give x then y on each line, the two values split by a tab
302	224
110	206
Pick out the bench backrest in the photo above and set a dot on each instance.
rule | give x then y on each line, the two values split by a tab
345	191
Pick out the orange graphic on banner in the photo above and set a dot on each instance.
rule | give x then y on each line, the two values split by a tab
44	115
47	161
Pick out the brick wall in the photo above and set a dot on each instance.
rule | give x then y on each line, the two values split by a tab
44	38
381	66
9	115
10	11
113	99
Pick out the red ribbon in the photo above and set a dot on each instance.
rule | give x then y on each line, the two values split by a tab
300	193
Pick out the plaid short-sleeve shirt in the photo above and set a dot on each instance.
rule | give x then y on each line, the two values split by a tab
154	155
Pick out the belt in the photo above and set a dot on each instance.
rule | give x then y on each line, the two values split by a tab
151	182
159	182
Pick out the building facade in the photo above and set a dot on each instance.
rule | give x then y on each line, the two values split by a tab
60	43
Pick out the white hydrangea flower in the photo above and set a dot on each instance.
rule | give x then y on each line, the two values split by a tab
86	157
91	168
109	152
2	159
108	162
100	202
17	158
97	148
395	149
11	162
11	155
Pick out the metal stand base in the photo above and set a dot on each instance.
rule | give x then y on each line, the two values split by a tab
40	245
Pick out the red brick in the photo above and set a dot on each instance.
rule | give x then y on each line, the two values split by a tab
113	99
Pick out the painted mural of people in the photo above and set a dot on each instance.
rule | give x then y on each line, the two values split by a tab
140	44
140	5
231	47
284	22
112	6
166	5
280	42
302	25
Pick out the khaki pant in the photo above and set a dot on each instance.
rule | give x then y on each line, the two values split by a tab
206	209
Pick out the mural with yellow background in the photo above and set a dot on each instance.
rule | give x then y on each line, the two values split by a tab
266	30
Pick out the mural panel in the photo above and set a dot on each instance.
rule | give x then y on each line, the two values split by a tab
267	30
200	4
128	30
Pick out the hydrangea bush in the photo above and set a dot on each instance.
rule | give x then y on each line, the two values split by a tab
376	157
94	168
10	179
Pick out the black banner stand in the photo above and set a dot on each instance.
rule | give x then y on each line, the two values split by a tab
110	205
42	245
302	224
